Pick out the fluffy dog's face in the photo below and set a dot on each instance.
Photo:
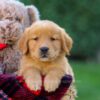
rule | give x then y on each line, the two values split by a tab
9	33
45	41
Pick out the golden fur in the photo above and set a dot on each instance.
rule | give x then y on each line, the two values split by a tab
54	66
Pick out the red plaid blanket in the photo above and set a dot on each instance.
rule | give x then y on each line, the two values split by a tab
11	86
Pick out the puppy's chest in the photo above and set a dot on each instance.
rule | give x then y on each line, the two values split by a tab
44	69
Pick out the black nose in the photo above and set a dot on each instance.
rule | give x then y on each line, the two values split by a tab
44	49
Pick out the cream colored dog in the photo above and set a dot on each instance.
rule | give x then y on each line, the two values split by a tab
44	46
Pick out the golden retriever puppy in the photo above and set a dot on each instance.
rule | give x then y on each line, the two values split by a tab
44	46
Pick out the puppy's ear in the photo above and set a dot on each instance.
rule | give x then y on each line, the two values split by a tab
66	42
23	42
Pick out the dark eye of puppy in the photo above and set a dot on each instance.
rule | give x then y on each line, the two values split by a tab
52	39
36	38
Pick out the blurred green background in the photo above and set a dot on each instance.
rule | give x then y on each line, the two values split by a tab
81	19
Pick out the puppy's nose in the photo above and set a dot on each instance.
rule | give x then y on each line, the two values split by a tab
44	49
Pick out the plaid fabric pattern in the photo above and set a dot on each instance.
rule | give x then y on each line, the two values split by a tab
14	89
3	96
8	84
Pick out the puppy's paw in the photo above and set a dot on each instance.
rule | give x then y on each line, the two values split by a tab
51	84
34	84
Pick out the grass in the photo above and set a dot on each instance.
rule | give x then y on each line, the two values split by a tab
87	80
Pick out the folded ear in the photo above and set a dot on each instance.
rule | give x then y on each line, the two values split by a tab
66	42
33	13
23	42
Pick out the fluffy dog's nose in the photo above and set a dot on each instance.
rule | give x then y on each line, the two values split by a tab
44	49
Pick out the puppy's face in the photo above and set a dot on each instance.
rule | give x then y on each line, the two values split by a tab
45	41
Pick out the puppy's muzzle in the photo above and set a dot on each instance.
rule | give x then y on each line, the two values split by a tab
44	51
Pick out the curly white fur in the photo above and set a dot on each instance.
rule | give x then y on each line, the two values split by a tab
14	18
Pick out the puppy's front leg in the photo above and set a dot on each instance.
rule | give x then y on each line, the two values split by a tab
53	79
33	79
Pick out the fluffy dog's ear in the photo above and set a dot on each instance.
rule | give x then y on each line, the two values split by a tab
23	42
66	42
33	13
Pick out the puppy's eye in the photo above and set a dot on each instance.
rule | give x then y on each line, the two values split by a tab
52	39
36	38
